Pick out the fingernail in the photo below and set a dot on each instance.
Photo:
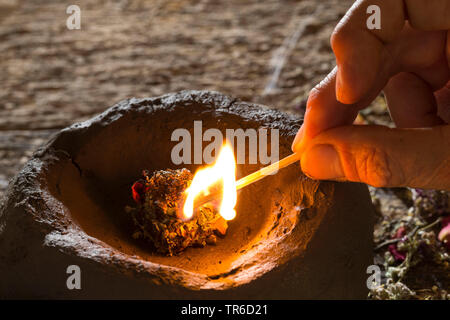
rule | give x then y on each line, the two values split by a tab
297	140
322	162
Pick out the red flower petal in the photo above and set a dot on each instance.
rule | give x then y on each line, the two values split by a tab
444	234
400	233
399	256
138	191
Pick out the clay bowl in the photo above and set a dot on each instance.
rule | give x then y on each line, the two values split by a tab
70	198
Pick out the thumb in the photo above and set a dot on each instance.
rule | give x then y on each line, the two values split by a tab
380	156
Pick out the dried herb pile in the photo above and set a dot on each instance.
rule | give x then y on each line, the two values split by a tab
158	197
412	240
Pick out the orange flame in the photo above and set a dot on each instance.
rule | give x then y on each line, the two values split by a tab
224	170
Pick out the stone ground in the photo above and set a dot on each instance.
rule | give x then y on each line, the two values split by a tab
267	51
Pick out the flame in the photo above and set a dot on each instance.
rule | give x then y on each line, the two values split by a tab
223	170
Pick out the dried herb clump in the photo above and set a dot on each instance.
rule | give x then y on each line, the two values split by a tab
158	198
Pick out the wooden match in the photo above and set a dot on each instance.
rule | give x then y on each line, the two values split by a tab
251	178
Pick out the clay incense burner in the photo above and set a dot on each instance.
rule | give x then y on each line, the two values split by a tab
292	238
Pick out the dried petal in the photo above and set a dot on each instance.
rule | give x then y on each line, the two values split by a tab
444	234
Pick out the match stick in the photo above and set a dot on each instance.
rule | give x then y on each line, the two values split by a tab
265	171
253	177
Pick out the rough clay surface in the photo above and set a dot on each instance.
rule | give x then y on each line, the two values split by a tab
303	240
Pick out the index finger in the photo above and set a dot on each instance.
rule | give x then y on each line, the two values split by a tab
323	111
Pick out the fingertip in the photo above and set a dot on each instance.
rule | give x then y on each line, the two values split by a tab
322	162
295	147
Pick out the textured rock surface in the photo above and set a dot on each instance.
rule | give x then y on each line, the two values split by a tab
65	207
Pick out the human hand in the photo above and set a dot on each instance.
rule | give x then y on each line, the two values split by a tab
409	59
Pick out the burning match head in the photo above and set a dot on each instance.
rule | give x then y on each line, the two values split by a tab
176	211
211	198
205	182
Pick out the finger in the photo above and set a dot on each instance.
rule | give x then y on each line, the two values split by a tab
443	101
411	102
380	156
436	75
428	15
359	51
447	49
423	53
323	111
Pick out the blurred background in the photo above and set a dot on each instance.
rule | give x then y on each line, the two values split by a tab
271	52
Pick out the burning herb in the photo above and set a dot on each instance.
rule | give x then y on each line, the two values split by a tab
155	217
